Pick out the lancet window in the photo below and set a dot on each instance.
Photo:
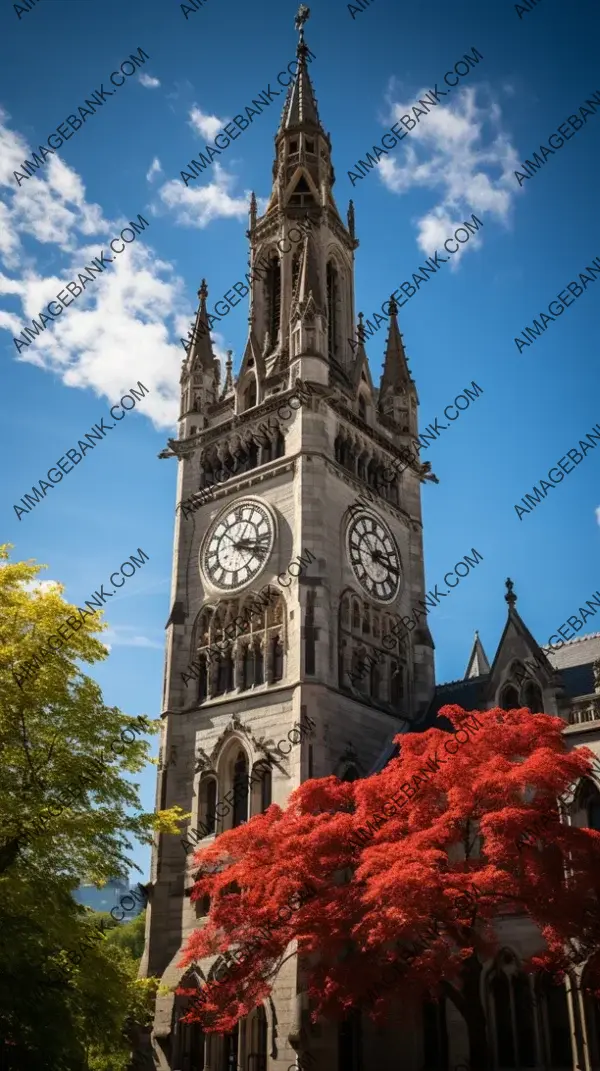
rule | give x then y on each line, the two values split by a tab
512	1015
365	663
333	298
273	285
226	662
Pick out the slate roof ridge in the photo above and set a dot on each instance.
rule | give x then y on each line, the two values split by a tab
576	639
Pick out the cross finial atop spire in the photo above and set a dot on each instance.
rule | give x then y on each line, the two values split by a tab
510	597
301	17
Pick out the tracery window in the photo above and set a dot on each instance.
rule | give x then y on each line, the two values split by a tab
233	658
310	635
555	1028
240	790
511	1014
532	698
188	1038
509	697
368	661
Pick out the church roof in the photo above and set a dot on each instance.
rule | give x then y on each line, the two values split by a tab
579	651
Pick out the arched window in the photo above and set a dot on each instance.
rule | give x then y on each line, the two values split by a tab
362	407
302	196
188	1038
555	1026
532	698
350	773
350	1056
224	681
266	786
512	1017
202	679
435	1035
257	1040
277	658
258	663
278	449
273	298
310	635
509	698
355	614
240	790
207	803
332	309
250	395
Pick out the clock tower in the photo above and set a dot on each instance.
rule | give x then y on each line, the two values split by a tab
276	467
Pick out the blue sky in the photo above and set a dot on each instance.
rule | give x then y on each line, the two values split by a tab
126	159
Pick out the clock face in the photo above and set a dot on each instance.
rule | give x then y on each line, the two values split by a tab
374	557
238	545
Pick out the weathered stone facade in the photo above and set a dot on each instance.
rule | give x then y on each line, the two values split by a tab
307	463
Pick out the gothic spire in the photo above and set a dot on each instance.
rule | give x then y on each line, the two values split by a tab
200	353
478	663
396	375
300	108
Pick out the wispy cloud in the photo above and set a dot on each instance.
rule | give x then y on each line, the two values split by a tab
460	151
154	169
206	125
149	82
197	206
598	514
128	636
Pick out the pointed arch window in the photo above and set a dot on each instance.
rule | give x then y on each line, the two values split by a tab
302	196
273	298
240	790
332	309
509	698
188	1038
350	1047
532	698
556	1029
207	804
512	1014
309	635
435	1035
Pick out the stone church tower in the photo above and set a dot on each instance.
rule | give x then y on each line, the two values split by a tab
273	483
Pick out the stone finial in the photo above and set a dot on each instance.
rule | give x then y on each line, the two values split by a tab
351	219
360	330
510	596
303	14
203	291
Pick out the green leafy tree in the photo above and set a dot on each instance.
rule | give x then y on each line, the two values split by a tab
69	813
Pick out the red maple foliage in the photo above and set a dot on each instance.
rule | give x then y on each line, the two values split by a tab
401	875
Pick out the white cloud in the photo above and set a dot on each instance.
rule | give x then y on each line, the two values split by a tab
207	126
127	324
149	82
598	514
197	206
154	169
460	151
120	636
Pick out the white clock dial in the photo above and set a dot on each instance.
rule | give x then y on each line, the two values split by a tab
374	557
238	545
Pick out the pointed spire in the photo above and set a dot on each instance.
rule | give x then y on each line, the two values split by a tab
201	351
228	384
510	597
396	375
478	663
300	106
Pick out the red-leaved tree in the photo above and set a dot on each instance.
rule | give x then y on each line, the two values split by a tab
391	884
